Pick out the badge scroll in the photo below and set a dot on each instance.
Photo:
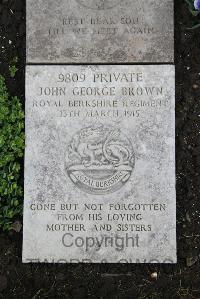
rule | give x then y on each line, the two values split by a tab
100	159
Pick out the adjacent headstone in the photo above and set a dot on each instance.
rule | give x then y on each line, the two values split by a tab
100	31
99	163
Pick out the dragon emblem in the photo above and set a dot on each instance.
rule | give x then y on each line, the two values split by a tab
99	159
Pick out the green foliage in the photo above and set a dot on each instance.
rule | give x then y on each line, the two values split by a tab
11	152
12	68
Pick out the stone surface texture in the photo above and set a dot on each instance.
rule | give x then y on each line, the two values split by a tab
100	31
100	163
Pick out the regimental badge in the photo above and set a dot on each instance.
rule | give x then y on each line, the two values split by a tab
99	4
100	159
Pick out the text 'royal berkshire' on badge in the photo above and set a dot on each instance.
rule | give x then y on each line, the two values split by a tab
100	31
100	164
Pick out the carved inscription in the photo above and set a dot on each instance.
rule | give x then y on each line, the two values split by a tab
99	31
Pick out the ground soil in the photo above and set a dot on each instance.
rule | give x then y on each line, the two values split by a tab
117	281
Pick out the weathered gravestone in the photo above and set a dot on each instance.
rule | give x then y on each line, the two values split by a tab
100	164
99	31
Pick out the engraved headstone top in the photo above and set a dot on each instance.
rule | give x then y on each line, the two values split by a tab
100	31
100	164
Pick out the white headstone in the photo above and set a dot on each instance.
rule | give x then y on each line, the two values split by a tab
100	164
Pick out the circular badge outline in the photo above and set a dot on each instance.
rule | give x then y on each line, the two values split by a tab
99	191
